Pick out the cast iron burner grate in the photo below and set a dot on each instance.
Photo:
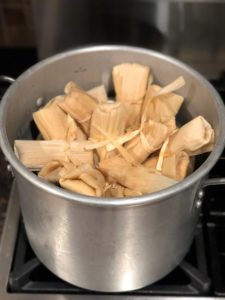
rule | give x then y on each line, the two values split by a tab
28	275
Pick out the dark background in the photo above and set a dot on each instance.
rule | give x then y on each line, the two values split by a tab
13	61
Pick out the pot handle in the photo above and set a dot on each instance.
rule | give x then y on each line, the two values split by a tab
205	184
6	78
213	181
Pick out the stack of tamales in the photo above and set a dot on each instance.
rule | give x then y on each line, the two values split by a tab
127	147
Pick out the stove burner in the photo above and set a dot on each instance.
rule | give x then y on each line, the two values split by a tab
28	275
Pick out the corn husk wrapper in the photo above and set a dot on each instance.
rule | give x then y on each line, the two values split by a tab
99	93
53	123
135	178
150	139
130	82
195	137
70	86
36	154
51	171
171	125
176	166
111	118
162	108
80	135
116	190
74	131
80	106
83	179
78	154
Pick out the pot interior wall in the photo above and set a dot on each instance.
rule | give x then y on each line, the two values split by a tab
91	68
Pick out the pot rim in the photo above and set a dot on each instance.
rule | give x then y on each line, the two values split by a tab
159	196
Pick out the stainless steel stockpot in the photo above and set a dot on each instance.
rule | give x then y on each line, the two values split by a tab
100	243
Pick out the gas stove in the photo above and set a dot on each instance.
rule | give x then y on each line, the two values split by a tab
200	275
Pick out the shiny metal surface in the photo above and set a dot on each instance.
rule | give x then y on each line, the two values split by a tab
107	244
192	31
6	255
6	79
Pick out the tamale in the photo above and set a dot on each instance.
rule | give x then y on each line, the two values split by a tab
77	186
162	108
119	140
70	86
116	190
195	137
50	171
83	179
74	131
111	119
123	152
127	146
171	125
80	135
99	93
162	154
36	154
80	106
135	178
53	123
176	166
150	139
171	87
78	154
130	82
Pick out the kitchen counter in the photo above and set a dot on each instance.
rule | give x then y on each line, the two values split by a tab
12	63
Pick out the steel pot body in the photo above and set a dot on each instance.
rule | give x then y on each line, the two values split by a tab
107	244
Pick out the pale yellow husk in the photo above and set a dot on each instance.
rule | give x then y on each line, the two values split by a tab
99	93
135	178
36	154
195	137
78	154
53	123
111	119
83	179
176	166
152	136
162	108
116	190
80	106
130	82
119	140
70	86
51	171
